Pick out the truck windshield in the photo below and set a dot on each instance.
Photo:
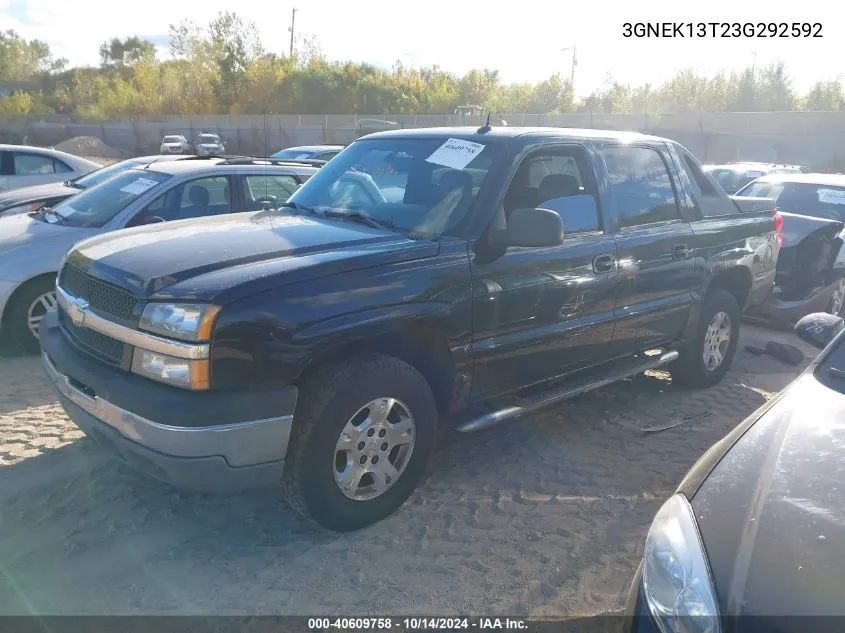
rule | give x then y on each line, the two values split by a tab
818	201
99	204
420	186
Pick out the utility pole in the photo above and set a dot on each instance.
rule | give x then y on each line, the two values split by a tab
292	23
572	73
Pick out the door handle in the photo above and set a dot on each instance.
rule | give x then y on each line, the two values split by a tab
604	263
680	251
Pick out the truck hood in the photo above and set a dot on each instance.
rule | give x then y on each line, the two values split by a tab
771	512
224	257
21	230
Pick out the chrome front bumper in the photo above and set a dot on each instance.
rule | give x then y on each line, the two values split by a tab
226	457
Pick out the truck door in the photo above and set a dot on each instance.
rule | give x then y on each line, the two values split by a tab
542	312
654	245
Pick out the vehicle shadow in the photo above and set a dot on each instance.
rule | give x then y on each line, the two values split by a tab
540	516
22	383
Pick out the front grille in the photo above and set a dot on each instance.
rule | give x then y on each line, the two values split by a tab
100	295
100	345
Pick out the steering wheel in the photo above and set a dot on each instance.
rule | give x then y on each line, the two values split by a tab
268	202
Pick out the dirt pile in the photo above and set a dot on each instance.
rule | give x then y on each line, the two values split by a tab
90	146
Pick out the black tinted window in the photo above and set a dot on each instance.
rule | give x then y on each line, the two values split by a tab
641	189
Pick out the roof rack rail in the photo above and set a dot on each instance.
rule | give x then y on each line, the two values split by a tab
246	160
225	157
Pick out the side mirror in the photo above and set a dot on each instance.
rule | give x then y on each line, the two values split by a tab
530	227
819	329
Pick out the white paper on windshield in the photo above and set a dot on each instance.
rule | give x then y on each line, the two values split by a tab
455	153
139	186
753	174
832	196
298	156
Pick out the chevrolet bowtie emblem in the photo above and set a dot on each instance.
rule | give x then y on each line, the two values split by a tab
77	311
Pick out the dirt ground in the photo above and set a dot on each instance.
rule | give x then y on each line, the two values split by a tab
544	516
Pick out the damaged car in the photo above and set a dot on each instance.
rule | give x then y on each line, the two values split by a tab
811	264
734	176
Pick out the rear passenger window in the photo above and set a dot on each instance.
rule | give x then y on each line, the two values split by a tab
640	186
698	178
30	164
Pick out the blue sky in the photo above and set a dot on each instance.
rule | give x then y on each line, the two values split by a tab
523	40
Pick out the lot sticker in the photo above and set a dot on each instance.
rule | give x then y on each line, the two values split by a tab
455	153
139	186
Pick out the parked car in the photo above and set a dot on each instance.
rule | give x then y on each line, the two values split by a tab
24	166
751	540
320	345
32	246
811	267
30	199
175	144
314	152
209	145
734	176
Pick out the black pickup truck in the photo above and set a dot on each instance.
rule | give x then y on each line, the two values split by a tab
423	278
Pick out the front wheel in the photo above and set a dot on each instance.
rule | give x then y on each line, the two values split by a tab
24	313
363	434
707	358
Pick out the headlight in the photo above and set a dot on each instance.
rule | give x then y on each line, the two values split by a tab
188	322
676	577
179	372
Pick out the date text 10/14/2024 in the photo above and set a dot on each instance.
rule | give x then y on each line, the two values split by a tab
662	30
417	624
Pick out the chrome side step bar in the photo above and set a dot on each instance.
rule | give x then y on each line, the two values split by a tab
568	391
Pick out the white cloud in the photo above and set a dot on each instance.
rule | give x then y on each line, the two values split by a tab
522	40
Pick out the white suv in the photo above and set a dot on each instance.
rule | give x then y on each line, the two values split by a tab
174	144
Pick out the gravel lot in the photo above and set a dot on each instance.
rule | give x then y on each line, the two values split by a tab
543	517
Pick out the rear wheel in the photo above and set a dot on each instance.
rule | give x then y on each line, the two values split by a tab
22	321
707	358
364	432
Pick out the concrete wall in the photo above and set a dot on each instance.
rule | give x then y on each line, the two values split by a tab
816	139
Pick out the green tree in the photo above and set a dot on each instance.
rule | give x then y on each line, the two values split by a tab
826	95
117	53
22	59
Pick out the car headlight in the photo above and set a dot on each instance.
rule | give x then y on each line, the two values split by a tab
185	321
179	372
676	576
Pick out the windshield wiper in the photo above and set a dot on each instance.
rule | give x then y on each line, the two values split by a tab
44	211
288	204
359	217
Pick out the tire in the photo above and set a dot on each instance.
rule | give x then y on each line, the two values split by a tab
331	403
690	369
836	306
16	319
